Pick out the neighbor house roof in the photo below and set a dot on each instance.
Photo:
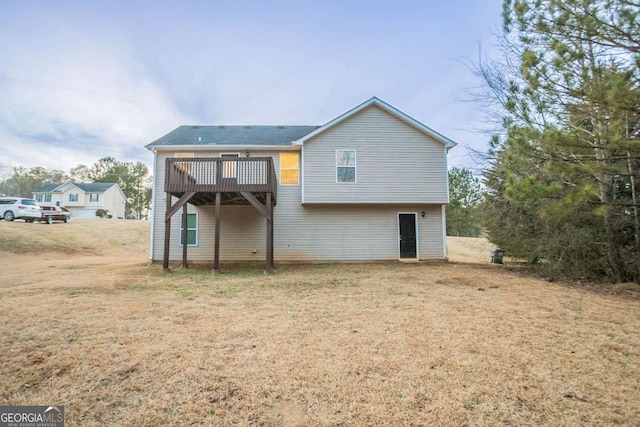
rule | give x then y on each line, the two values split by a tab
47	188
395	112
232	136
95	187
89	187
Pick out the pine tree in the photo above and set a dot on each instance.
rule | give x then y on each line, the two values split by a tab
567	164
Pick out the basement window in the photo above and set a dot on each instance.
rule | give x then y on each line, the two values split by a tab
192	229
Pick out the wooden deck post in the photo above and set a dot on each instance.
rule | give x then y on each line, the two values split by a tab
269	233
185	234
216	257
167	235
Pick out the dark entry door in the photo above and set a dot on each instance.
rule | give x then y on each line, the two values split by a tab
407	234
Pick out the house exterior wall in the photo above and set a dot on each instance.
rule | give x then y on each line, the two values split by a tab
301	232
395	163
56	199
67	203
113	201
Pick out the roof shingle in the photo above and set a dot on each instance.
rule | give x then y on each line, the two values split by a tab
89	187
233	135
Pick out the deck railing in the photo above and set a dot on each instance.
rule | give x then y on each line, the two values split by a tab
220	174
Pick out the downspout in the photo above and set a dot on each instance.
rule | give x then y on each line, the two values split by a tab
444	206
301	172
153	203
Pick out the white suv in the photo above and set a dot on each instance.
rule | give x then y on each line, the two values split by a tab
18	208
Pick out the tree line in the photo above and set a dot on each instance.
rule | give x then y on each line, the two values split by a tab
562	182
560	188
133	179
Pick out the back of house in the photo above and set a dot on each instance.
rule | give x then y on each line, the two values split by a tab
369	185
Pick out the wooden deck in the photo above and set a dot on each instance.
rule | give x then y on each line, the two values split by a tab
219	181
229	176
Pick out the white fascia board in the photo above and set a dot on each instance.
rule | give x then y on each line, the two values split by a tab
394	111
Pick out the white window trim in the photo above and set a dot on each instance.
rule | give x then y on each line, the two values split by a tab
417	233
97	197
280	170
355	166
180	228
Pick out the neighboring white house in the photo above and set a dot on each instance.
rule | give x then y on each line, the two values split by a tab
84	199
369	185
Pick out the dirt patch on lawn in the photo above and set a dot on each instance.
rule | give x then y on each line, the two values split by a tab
122	343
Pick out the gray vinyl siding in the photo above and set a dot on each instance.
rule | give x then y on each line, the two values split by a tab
312	232
301	233
396	163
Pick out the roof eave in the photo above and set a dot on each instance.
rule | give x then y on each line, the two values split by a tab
221	147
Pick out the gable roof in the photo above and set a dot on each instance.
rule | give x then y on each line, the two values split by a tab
388	108
48	188
95	187
232	135
89	187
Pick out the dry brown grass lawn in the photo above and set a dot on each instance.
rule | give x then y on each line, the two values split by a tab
91	327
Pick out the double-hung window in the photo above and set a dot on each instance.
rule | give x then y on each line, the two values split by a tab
39	198
47	197
93	197
192	229
345	166
289	168
73	197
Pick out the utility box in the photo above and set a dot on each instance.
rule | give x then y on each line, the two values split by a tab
496	256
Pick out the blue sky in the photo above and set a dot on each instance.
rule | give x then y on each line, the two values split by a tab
80	80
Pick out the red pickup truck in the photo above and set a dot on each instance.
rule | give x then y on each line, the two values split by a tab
54	213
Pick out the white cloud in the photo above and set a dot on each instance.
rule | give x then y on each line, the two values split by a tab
87	80
74	99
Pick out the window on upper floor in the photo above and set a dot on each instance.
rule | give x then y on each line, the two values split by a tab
289	168
38	197
73	197
192	229
94	197
47	197
346	166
